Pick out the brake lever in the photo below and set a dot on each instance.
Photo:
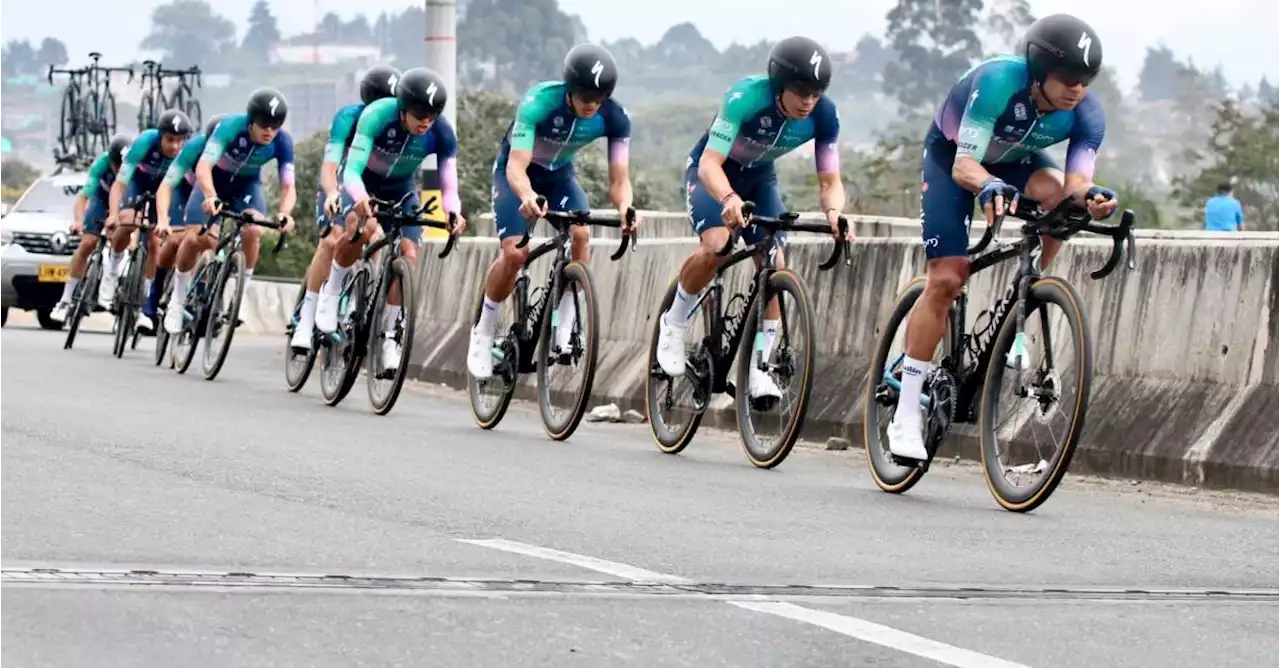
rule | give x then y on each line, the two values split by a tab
448	245
528	228
627	240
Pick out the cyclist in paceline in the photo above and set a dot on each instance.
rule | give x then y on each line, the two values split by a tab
393	137
229	174
377	83
90	213
988	139
554	121
171	201
144	168
761	119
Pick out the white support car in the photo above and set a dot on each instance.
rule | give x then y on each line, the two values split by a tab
36	246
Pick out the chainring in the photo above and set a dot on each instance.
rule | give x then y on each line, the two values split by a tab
942	390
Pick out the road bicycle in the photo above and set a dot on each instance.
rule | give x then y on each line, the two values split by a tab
88	118
362	327
965	385
528	346
84	299
205	314
129	295
707	364
154	101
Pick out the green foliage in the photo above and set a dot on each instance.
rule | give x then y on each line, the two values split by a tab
19	58
293	260
263	32
188	32
524	41
934	43
1242	149
17	175
482	121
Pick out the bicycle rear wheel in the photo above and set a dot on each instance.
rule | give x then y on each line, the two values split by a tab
491	397
384	384
193	112
146	113
297	367
340	360
222	315
162	334
796	327
195	304
107	112
1040	390
68	121
584	342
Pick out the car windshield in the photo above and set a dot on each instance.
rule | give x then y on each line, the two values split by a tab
47	196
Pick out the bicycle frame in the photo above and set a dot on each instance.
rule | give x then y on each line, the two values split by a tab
970	351
727	325
529	315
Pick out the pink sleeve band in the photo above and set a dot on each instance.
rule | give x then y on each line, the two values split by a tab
356	190
620	151
449	185
286	174
827	159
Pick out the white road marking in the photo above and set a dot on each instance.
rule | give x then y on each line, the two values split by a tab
849	626
880	635
601	565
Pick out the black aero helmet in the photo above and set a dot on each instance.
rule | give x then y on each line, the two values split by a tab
590	70
799	62
267	108
1062	44
378	82
213	124
118	147
421	92
174	122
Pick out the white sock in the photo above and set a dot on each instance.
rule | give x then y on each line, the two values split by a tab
181	281
568	313
488	317
679	313
70	288
393	317
309	307
770	336
113	263
248	275
336	277
146	287
913	373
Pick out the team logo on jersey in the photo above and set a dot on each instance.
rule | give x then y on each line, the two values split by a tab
766	122
243	142
1020	111
391	133
557	121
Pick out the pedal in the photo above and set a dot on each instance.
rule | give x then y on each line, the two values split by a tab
907	462
764	404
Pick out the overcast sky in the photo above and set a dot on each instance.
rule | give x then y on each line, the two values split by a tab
1242	35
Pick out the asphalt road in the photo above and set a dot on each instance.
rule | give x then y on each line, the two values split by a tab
462	547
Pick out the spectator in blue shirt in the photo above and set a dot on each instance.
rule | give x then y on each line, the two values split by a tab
1222	213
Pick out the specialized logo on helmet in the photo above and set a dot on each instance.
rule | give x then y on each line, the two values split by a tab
597	70
273	104
391	83
1085	42
816	61
177	124
431	93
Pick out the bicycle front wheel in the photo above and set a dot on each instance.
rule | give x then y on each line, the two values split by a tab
127	302
83	297
340	360
790	360
68	121
1046	399
107	112
146	113
193	112
297	366
162	334
577	352
386	382
223	310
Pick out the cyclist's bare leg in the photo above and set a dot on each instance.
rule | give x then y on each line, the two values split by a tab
501	278
251	243
80	259
318	270
408	251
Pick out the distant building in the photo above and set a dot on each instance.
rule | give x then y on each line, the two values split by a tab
293	53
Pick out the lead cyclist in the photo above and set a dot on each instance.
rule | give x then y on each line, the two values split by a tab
988	139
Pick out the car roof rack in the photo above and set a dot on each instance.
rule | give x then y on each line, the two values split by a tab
72	161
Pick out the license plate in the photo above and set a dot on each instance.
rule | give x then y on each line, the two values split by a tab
54	273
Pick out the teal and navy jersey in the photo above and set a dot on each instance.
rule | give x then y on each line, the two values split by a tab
183	167
235	156
144	162
97	185
383	151
990	117
341	131
752	132
546	125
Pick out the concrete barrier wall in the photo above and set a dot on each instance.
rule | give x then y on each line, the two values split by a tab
1184	347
